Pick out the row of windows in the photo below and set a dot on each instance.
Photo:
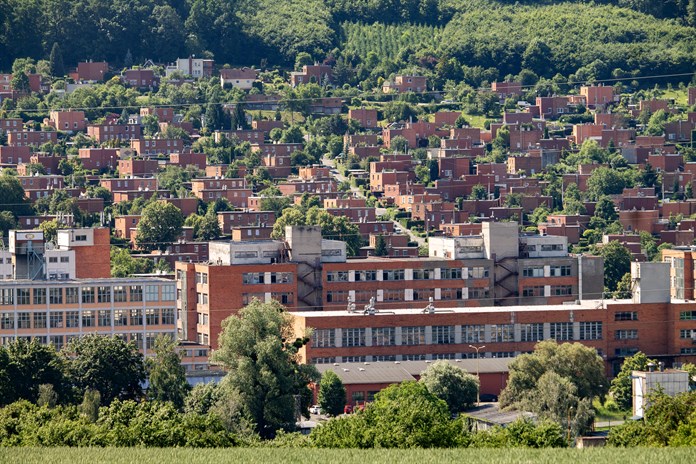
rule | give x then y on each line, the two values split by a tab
252	278
410	357
142	341
75	295
445	334
687	316
424	294
86	318
285	298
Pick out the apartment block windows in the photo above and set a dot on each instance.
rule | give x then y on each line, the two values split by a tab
136	293
628	334
473	333
626	316
151	293
478	272
353	337
393	275
560	271
414	335
324	338
534	291
443	334
535	271
532	332
591	330
562	331
120	295
337	276
451	273
39	320
72	295
502	333
88	294
253	278
55	296
104	294
23	297
39	296
383	336
365	276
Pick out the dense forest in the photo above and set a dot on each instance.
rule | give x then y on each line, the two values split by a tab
601	39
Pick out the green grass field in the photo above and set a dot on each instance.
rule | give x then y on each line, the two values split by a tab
266	455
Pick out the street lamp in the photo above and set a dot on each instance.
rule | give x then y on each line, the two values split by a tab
478	376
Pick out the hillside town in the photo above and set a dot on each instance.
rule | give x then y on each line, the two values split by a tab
397	228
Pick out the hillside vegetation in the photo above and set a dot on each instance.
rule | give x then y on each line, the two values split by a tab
601	38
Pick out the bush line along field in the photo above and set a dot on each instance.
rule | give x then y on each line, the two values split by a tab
260	455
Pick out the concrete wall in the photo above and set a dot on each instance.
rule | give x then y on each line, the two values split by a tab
651	282
501	239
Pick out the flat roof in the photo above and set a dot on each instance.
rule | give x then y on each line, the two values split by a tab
107	280
491	413
400	371
585	305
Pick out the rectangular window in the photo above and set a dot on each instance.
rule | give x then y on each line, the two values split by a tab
64	259
443	334
39	320
591	330
422	274
136	317
252	278
168	316
151	293
531	332
473	333
383	336
120	295
152	316
501	333
324	338
561	290
451	273
478	272
365	276
55	296
72	295
7	295
534	291
88	319
393	275
56	320
72	319
353	337
23	296
169	291
337	276
683	316
120	317
560	271
104	318
136	293
104	294
23	320
687	334
414	357
88	294
626	316
562	331
629	334
414	335
534	271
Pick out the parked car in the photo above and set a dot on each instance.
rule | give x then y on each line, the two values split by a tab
315	409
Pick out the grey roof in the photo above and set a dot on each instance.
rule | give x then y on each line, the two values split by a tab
492	414
400	371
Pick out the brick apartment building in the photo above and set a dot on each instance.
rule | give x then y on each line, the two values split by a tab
64	290
25	138
309	273
105	132
650	323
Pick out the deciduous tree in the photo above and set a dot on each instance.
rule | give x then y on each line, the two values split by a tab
332	394
452	384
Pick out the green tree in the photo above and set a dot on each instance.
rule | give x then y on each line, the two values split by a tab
166	374
24	366
404	415
452	384
572	374
478	192
399	144
259	349
7	222
160	225
622	385
202	398
605	181
605	209
381	246
109	365
12	197
332	394
56	66
617	262
20	82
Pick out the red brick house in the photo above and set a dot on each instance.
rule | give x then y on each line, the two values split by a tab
366	117
90	71
317	73
403	84
68	121
105	132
